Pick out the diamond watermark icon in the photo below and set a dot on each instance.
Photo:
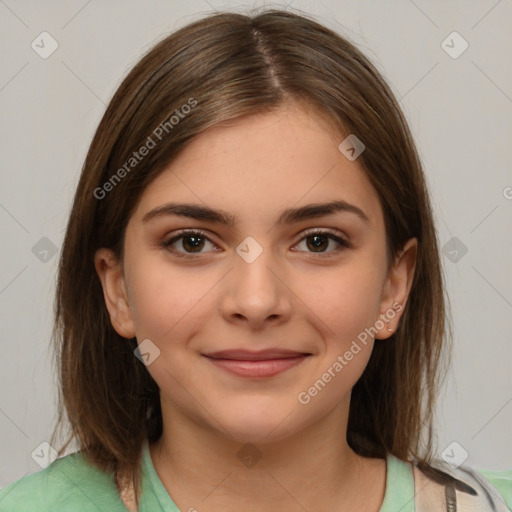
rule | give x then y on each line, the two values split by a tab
454	454
351	147
454	249
44	45
44	454
454	45
147	352
44	249
249	455
249	249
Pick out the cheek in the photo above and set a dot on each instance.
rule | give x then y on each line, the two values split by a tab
164	298
166	305
347	302
345	310
348	307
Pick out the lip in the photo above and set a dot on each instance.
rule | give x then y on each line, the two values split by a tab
253	355
263	363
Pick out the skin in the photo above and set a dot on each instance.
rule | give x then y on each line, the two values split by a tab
292	296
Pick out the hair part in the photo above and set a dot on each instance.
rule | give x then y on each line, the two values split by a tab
234	65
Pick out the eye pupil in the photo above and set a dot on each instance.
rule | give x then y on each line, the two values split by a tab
196	242
319	239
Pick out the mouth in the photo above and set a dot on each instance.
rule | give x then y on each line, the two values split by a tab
263	363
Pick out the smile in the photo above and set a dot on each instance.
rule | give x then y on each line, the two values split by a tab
257	364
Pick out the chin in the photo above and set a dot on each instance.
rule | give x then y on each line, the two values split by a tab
259	425
258	434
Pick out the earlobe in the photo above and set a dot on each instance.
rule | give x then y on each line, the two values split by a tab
111	276
397	287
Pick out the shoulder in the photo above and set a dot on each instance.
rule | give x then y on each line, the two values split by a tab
466	486
68	484
502	482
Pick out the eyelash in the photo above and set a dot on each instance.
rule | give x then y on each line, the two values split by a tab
314	231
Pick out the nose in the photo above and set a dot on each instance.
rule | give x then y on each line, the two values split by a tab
256	293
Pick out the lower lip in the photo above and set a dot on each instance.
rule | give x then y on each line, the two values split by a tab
266	368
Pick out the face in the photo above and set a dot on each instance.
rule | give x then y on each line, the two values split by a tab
309	287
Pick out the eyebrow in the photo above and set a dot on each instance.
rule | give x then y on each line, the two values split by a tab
288	216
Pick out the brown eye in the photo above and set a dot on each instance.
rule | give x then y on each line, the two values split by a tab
318	241
192	241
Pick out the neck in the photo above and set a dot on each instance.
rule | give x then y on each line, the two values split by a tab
203	468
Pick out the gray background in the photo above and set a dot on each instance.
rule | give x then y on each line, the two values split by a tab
460	114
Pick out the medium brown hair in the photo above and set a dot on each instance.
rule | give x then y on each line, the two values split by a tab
234	65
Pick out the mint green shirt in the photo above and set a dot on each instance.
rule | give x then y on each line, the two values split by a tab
70	484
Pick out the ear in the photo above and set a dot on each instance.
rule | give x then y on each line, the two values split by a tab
110	272
396	288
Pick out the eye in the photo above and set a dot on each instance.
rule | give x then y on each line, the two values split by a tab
318	240
193	241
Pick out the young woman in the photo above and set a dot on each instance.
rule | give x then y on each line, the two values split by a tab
250	309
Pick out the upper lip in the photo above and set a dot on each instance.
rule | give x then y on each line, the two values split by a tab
260	355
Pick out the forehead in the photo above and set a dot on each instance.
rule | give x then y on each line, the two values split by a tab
255	166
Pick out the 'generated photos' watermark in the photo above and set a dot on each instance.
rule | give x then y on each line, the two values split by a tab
149	144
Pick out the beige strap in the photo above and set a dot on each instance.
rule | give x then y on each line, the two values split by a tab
431	496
